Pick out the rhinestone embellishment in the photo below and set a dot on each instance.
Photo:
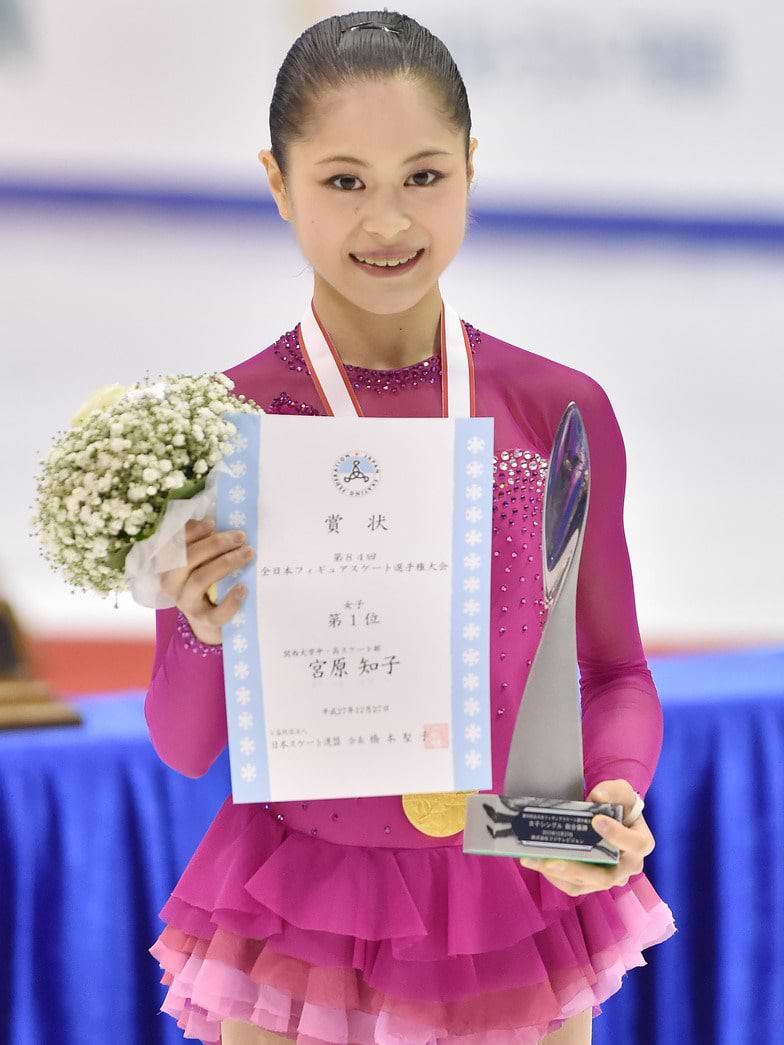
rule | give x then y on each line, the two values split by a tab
518	478
190	641
284	404
426	372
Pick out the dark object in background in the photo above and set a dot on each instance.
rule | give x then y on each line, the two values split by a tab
25	702
13	663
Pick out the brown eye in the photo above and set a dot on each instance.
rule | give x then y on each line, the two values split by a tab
341	177
330	183
436	178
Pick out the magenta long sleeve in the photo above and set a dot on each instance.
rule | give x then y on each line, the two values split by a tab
185	706
622	714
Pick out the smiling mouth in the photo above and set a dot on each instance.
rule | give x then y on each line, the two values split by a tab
388	270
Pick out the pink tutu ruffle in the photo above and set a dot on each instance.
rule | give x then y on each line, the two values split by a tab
328	943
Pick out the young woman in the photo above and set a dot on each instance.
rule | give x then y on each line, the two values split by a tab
341	921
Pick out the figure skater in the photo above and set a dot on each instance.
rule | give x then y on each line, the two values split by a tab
345	921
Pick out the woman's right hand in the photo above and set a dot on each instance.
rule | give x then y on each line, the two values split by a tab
211	556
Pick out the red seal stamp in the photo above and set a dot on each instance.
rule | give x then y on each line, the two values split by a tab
437	735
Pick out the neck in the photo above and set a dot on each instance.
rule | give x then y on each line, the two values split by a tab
380	342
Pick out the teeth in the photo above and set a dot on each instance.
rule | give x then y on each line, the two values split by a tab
389	263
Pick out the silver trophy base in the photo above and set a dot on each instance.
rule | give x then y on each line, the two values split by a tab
497	825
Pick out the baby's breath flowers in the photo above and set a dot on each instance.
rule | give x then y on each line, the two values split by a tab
106	482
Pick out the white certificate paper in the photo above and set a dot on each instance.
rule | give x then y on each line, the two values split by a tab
358	663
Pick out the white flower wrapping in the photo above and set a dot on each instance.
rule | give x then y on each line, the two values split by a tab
116	490
166	549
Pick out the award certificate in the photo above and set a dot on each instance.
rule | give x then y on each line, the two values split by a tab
357	664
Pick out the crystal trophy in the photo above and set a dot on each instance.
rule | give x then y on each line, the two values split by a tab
542	812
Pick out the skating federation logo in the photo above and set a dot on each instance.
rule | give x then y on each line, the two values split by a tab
355	473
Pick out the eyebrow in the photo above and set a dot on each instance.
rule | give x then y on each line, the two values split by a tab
360	163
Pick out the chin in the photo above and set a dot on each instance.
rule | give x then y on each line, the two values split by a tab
382	304
381	300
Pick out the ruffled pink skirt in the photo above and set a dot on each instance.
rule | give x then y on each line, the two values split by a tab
328	943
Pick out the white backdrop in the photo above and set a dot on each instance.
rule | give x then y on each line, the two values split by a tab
635	104
673	109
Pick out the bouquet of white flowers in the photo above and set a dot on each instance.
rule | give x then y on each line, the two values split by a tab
115	491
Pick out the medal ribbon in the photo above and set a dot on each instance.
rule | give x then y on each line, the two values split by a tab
442	814
334	388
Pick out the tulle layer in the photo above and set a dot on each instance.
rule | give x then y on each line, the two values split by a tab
328	943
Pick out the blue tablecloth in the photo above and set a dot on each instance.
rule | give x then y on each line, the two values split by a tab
95	831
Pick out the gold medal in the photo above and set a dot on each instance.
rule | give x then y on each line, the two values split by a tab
438	815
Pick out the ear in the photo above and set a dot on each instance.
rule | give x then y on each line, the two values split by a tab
276	183
472	144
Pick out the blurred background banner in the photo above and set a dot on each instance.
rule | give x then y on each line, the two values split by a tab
630	105
628	221
641	106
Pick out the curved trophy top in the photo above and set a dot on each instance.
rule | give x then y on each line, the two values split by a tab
566	497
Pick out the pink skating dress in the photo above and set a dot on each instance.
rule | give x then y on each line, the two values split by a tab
337	921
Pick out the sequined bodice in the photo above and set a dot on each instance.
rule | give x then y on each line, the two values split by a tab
526	395
425	372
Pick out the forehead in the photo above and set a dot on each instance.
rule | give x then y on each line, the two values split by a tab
377	120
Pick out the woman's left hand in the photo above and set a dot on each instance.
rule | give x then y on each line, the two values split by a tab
576	877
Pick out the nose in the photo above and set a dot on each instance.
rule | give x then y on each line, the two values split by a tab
386	218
